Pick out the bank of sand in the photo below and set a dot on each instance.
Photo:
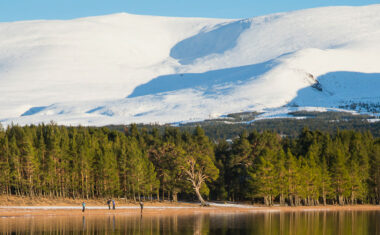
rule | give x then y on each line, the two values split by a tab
20	206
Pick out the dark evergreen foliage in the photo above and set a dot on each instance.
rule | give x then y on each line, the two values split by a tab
85	162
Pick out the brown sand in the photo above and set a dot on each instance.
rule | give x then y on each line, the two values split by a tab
162	208
179	211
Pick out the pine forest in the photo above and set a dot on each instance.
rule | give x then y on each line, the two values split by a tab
314	168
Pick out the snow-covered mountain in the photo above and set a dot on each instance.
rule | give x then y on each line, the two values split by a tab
123	68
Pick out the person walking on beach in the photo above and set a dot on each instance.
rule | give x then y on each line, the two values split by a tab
141	206
109	204
83	206
113	204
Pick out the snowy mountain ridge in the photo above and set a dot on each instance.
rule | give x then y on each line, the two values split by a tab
124	68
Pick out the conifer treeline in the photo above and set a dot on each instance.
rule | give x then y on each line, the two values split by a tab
84	162
81	162
315	168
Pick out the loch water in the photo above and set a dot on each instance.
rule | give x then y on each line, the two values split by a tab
305	222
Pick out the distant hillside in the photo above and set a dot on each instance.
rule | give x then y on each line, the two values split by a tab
123	68
233	125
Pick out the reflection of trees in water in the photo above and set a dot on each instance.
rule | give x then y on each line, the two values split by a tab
284	223
198	224
316	222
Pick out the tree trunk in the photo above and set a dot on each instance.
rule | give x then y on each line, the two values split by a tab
297	200
291	200
134	193
266	200
175	196
163	192
340	200
282	199
200	198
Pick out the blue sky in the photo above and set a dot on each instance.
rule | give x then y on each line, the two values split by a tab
14	10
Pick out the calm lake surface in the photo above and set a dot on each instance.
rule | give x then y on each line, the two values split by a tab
322	222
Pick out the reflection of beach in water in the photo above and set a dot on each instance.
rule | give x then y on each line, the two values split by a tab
311	222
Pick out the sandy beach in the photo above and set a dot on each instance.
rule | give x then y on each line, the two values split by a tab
20	206
168	210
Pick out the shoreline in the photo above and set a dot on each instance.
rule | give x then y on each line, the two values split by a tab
27	206
154	210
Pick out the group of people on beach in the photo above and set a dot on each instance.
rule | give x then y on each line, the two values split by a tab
113	205
109	204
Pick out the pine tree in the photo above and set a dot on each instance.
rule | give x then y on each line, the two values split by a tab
374	179
221	187
325	181
239	164
282	183
341	178
313	175
293	177
28	163
15	167
263	177
4	164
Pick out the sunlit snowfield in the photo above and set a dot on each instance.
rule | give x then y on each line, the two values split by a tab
312	222
124	68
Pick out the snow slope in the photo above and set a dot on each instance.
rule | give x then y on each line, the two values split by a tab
126	68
